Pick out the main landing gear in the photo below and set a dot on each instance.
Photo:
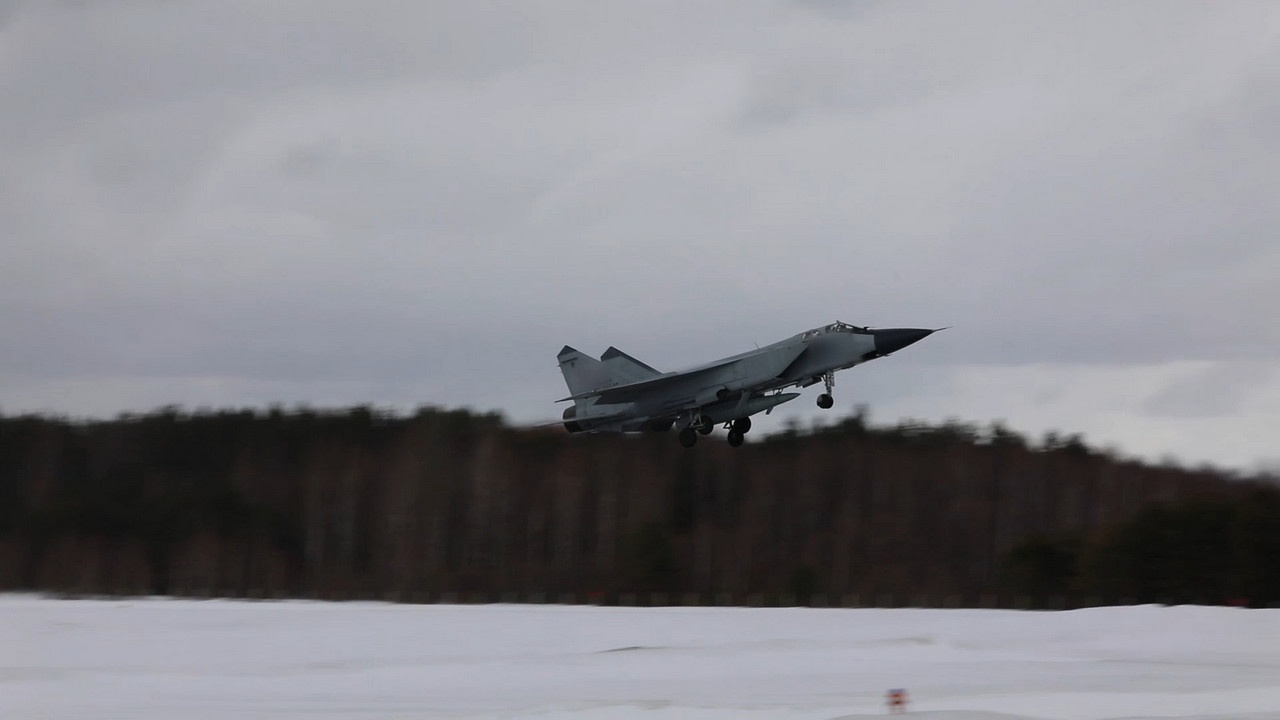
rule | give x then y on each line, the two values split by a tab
738	430
825	401
688	437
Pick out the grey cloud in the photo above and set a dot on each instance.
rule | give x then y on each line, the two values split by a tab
440	196
1215	391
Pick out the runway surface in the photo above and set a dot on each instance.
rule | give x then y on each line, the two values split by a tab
162	658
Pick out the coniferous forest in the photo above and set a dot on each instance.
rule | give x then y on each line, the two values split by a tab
456	506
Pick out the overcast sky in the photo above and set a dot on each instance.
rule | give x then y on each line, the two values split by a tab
403	203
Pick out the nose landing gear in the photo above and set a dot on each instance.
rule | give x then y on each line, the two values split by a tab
825	401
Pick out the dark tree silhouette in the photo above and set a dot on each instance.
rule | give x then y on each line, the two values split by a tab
361	502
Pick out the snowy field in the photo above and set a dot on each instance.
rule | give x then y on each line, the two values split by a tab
222	659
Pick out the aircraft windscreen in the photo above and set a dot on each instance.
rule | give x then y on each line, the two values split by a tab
847	328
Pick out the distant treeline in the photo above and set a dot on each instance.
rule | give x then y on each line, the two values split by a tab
364	503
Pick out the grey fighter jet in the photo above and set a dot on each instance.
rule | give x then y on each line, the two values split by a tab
618	393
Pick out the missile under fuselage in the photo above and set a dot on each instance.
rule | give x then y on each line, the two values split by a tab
733	409
606	418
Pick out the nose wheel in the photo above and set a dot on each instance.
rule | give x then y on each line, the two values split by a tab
825	401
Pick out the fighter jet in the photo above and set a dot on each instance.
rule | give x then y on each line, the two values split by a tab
618	393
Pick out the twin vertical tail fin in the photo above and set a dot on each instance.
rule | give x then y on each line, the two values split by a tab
584	374
625	369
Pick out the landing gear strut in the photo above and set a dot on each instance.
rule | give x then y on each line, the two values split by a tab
700	424
825	401
737	430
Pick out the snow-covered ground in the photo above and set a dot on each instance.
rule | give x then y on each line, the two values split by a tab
162	658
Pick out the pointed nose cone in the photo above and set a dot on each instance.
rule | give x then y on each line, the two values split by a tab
894	339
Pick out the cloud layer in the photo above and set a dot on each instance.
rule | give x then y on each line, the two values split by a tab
236	202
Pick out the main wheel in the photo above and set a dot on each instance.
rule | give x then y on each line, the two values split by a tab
742	425
706	427
688	437
825	401
735	438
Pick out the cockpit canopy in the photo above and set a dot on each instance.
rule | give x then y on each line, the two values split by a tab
847	328
838	327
